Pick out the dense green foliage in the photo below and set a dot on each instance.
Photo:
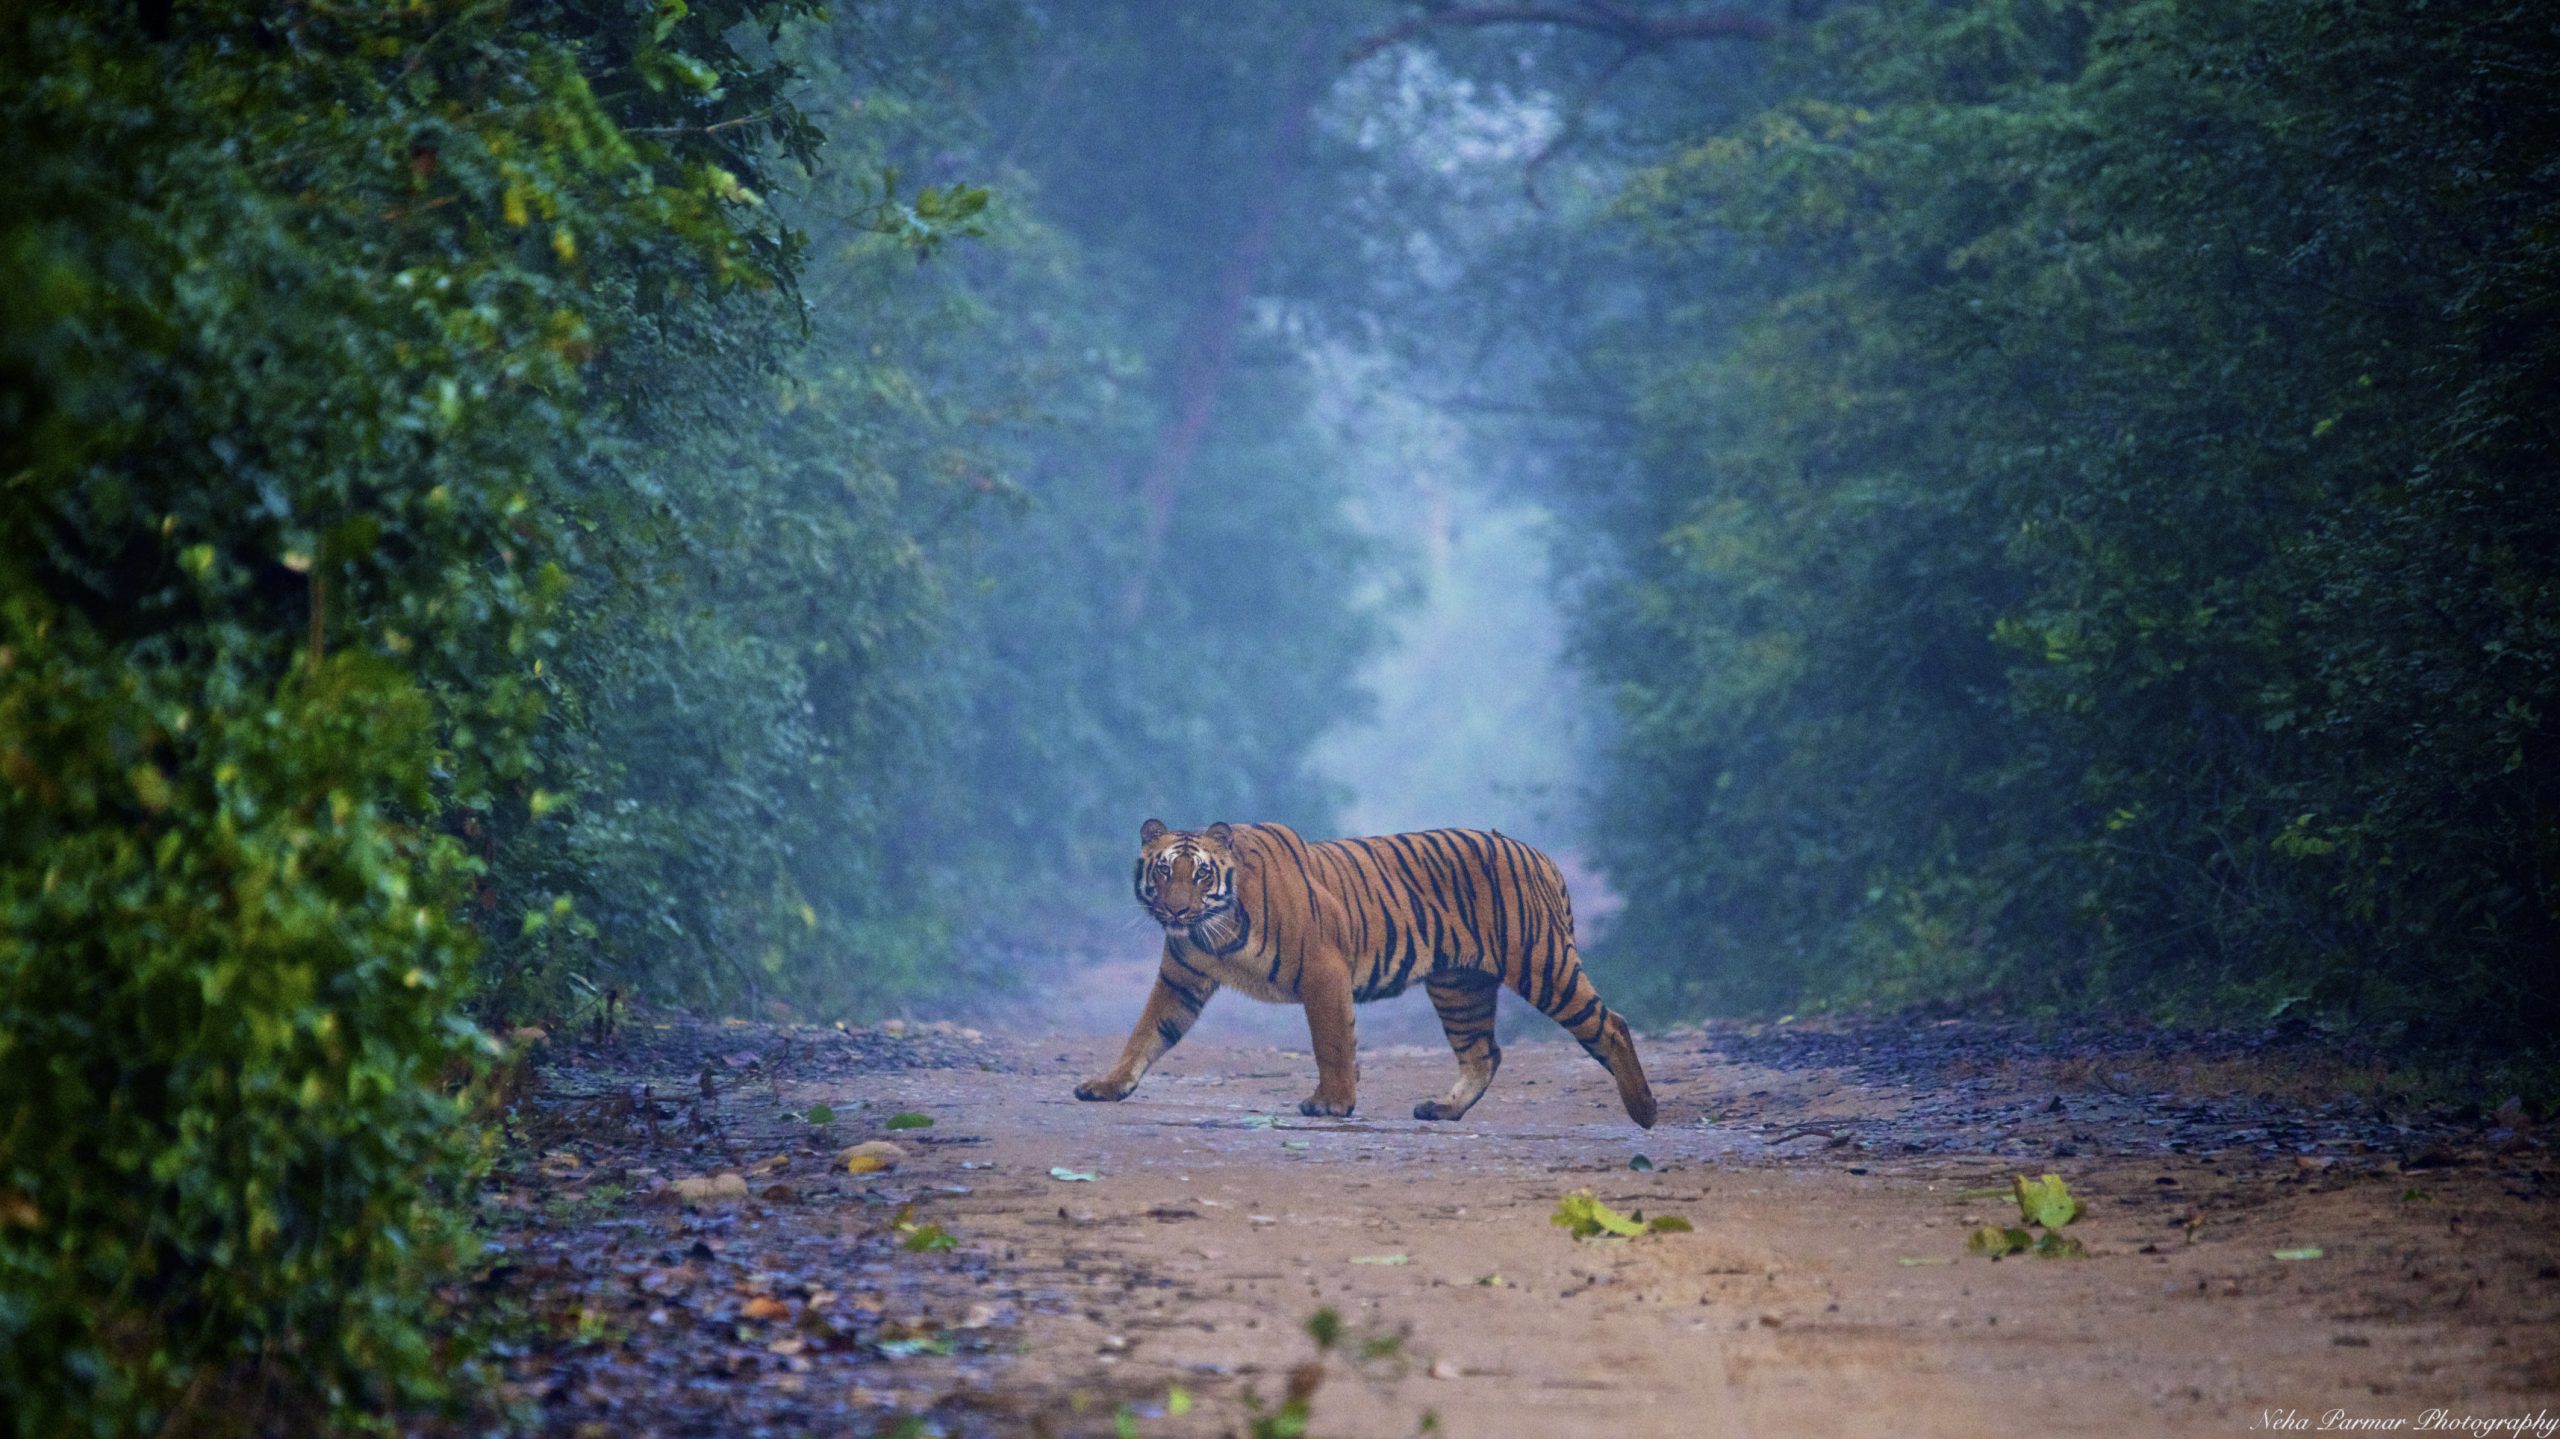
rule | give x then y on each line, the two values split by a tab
285	369
305	305
2094	528
865	689
488	519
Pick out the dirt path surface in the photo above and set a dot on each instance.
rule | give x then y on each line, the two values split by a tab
1832	1177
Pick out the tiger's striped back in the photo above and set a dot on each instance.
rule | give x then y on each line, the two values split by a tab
1442	900
1461	910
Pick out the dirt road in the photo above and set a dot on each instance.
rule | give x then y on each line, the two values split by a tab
1832	1178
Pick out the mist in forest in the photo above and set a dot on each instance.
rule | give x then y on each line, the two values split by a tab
1447	697
1800	467
1818	473
2042	506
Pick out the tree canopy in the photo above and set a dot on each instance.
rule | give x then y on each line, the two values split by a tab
2093	533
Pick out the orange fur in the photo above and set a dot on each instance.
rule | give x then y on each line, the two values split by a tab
1327	925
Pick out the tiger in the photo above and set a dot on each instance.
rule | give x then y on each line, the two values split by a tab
1331	924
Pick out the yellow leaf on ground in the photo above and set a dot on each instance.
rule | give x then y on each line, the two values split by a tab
871	1156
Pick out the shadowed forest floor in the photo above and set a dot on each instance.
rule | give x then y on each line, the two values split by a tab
1832	1172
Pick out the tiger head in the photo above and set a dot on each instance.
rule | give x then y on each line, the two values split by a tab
1186	878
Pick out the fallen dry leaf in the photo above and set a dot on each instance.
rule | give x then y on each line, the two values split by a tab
712	1189
872	1156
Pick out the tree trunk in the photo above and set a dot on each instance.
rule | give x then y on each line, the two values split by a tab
1206	349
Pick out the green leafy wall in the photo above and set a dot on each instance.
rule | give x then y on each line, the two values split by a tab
2092	533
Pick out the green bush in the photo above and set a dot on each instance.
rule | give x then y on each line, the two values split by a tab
2094	529
300	368
227	992
449	565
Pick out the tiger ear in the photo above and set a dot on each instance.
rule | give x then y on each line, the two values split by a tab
1151	831
1222	834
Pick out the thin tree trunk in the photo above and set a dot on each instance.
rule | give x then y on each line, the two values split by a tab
1206	349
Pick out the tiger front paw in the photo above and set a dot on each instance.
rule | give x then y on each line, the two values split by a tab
1439	1109
1109	1086
1316	1105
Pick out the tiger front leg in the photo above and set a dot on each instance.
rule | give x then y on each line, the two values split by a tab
1171	1007
1325	989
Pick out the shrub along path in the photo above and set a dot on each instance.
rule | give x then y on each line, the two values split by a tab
1035	1265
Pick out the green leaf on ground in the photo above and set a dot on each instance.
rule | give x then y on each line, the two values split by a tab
821	1114
1074	1176
1670	1224
1324	1327
2311	1251
2045	1201
1994	1241
1293	1144
911	1121
1641	1164
1379	1259
926	1238
1177	1401
1914	1263
2059	1246
1587	1218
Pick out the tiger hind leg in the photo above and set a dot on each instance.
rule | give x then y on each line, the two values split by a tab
1560	989
1465	1001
